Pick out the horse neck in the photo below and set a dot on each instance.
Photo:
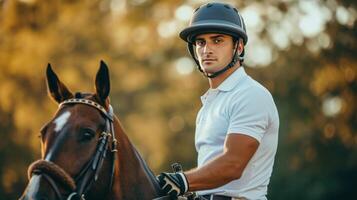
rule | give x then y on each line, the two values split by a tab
134	180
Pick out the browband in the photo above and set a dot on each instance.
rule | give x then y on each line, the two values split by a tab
108	114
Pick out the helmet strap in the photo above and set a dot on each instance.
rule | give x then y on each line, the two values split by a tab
193	55
215	74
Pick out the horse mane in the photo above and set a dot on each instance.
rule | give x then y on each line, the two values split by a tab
149	172
146	170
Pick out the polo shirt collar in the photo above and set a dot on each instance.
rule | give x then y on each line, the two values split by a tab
228	84
232	80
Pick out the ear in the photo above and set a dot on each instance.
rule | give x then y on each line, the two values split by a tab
56	89
240	44
102	82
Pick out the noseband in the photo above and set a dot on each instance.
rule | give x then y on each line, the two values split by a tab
89	173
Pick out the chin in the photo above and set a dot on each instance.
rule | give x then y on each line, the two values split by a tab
210	69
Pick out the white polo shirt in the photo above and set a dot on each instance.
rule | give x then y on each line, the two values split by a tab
239	105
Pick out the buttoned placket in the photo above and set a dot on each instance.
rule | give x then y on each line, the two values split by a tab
207	100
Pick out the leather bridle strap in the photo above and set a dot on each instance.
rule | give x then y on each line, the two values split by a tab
109	114
92	169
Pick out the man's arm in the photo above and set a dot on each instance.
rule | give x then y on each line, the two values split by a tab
238	150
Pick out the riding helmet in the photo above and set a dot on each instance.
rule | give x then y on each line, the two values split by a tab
215	18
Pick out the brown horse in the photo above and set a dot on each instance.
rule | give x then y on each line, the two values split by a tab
85	152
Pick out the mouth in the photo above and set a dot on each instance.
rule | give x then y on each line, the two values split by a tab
208	60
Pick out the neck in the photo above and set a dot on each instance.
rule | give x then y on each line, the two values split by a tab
215	82
133	180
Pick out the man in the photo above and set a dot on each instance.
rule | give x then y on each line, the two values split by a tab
237	126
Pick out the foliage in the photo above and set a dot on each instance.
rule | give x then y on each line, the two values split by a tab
313	78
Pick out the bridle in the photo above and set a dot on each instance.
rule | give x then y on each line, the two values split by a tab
89	173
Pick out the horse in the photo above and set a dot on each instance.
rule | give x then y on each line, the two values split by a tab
85	153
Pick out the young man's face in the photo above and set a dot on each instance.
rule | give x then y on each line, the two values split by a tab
214	51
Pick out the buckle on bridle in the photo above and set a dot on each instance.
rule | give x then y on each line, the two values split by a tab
105	134
114	145
75	196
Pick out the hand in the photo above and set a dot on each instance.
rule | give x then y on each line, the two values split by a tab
173	184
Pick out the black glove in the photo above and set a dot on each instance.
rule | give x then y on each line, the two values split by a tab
173	184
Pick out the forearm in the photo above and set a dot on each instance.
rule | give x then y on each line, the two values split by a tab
215	173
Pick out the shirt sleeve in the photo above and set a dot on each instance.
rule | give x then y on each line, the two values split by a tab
249	114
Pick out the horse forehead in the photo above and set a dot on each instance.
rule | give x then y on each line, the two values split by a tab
61	120
76	114
84	112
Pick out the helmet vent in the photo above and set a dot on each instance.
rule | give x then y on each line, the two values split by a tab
235	9
227	6
196	9
209	5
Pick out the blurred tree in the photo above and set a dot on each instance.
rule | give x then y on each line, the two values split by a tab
311	72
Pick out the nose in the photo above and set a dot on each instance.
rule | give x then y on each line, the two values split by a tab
207	49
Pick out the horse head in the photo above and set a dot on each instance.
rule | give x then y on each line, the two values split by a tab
79	158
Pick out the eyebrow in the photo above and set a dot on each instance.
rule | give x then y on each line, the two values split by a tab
211	37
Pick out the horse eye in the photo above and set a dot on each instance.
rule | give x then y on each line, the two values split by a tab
87	135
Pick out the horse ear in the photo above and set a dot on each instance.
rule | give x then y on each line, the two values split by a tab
102	82
56	89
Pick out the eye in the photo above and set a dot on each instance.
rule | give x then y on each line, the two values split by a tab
86	135
200	43
217	40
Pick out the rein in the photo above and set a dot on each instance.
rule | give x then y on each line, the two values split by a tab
89	173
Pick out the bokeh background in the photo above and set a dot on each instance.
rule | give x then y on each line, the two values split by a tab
304	52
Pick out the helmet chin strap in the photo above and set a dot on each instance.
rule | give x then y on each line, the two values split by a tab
217	73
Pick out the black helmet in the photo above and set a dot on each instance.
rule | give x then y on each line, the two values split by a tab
215	18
